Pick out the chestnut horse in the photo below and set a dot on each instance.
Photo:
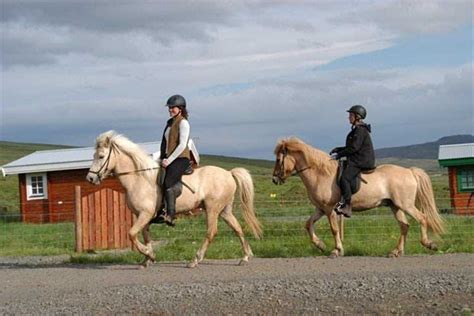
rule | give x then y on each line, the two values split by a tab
405	190
214	190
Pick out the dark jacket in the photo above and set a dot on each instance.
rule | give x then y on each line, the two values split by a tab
359	149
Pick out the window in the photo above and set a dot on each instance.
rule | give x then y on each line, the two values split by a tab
466	180
36	186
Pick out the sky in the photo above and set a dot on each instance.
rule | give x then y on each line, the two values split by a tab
252	72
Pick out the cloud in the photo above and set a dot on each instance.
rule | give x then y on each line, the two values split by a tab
249	70
406	17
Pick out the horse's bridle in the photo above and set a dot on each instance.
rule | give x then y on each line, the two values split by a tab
295	172
104	165
116	174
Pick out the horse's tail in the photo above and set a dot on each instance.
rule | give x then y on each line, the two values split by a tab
425	200
244	182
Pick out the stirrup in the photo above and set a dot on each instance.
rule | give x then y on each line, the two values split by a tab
338	207
170	221
159	218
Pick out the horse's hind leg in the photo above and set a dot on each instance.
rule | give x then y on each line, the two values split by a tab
230	219
211	215
402	220
311	230
421	218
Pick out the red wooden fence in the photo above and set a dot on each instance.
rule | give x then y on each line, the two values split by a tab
102	220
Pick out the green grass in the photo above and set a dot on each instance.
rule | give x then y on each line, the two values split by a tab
284	236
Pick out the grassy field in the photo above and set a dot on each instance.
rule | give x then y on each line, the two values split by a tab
284	236
373	232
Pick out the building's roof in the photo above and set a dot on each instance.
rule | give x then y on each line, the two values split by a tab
456	155
457	151
61	159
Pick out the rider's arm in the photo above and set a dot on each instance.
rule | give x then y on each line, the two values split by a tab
184	129
355	143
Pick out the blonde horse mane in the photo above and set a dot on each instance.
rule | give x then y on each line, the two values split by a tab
313	157
140	158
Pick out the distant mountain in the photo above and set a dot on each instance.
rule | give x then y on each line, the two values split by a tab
422	151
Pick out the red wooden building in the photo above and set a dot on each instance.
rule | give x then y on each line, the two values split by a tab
459	159
47	180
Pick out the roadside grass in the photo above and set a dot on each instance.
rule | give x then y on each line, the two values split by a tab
365	235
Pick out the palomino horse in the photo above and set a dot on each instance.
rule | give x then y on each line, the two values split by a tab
214	191
405	190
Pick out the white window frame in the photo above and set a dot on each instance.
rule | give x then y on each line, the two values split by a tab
29	187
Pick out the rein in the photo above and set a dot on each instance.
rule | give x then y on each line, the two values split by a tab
296	171
117	174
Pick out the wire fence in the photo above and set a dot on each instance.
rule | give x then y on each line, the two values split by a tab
368	233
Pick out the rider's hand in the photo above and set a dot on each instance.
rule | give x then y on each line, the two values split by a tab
164	163
334	150
334	156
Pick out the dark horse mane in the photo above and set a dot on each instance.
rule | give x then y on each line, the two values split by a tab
313	156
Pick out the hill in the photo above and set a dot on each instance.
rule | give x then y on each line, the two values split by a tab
422	151
10	151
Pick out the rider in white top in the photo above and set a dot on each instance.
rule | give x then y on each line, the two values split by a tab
184	131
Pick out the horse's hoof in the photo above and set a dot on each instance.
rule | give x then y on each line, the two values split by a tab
433	246
146	263
321	246
394	254
334	254
243	262
192	265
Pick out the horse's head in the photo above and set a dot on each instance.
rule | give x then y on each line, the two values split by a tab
285	164
104	158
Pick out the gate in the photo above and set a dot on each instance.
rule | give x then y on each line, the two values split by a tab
103	220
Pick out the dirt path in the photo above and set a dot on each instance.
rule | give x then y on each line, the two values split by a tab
438	284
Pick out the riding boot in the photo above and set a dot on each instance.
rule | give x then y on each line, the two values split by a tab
170	200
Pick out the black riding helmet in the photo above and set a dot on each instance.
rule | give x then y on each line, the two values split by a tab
358	110
176	100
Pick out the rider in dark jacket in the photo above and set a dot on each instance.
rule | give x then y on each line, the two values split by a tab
360	156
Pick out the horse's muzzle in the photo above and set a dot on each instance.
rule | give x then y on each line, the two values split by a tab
276	180
93	178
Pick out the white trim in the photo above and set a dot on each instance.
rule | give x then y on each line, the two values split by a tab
29	187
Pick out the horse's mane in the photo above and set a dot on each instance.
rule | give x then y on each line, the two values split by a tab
313	156
140	158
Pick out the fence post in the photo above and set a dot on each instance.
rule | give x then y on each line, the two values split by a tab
341	227
78	222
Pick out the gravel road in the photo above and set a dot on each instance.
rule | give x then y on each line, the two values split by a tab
436	284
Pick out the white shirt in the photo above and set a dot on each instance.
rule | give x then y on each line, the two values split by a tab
184	131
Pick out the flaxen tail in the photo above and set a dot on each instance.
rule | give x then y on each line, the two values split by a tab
425	201
245	183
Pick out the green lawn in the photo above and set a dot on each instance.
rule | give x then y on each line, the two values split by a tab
284	236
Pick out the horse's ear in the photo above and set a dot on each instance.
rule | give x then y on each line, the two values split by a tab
107	141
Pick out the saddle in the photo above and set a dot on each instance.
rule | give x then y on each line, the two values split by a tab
355	183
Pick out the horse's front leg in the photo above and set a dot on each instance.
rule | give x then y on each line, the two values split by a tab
338	250
142	221
146	237
311	230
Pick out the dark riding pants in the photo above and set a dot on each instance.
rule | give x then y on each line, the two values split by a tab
349	173
175	171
